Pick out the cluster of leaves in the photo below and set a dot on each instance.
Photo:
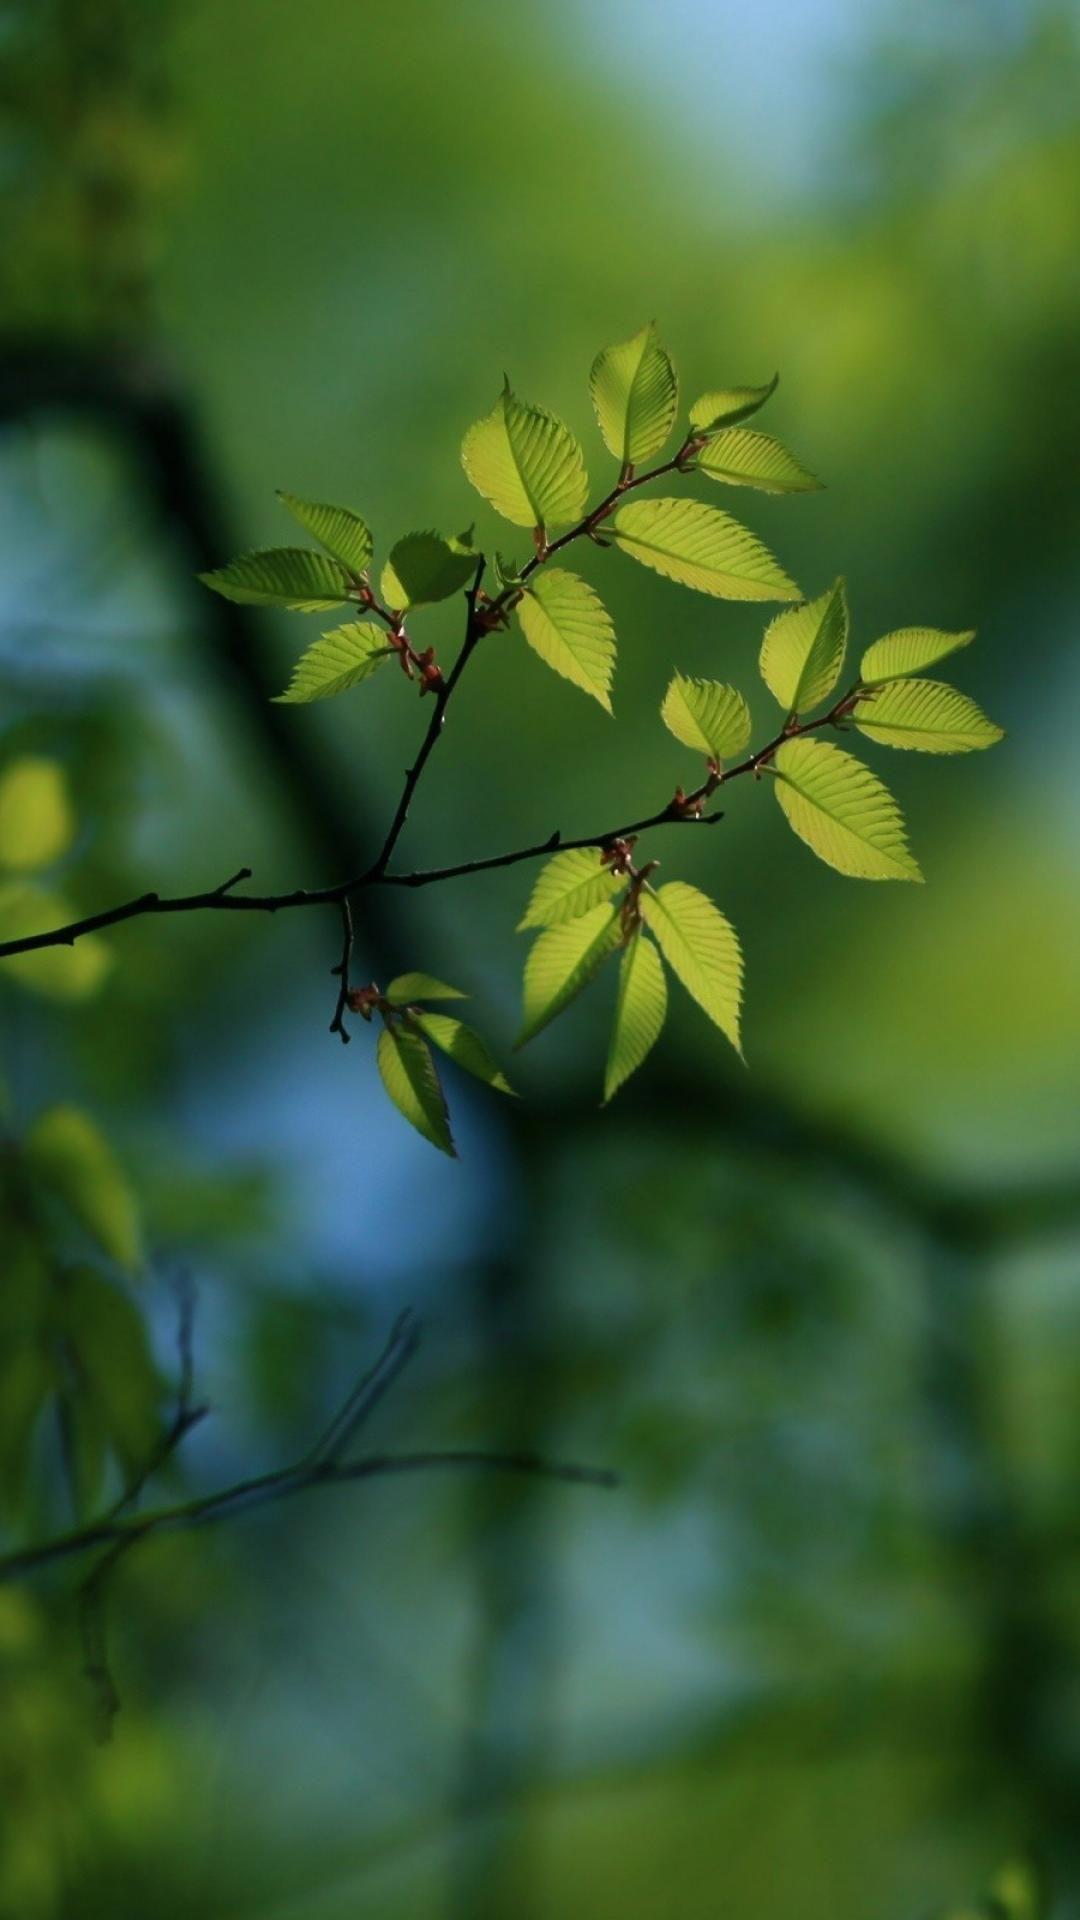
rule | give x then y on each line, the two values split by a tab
405	1060
592	901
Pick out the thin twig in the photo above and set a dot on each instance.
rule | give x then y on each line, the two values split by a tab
337	1024
370	1388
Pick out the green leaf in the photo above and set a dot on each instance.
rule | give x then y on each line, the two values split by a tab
708	717
506	573
527	464
725	405
58	973
568	886
640	1008
425	567
340	660
743	458
924	715
282	577
464	1047
803	650
409	1076
562	962
74	1160
37	821
567	624
635	391
700	547
843	812
909	650
701	947
419	986
341	531
118	1384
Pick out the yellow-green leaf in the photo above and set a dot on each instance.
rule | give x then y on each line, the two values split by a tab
635	391
409	1076
909	650
425	567
707	716
924	715
640	1007
341	531
464	1047
701	947
803	650
725	405
843	812
700	547
59	973
568	886
294	577
743	458
567	624
67	1151
37	821
563	961
420	986
340	660
527	464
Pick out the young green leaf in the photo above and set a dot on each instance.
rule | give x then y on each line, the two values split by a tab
843	812
294	577
425	567
743	458
74	1160
567	624
527	464
726	405
803	650
562	962
409	1076
639	1010
708	717
635	391
464	1047
340	660
909	650
37	820
409	987
701	947
700	547
924	715
568	886
342	532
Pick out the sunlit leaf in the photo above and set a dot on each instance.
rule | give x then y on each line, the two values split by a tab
527	464
702	949
295	577
803	650
409	1076
341	531
701	547
707	716
843	812
58	973
464	1047
37	821
425	567
924	715
909	650
563	961
75	1161
567	624
568	886
725	405
640	1007
743	458
340	660
635	391
409	987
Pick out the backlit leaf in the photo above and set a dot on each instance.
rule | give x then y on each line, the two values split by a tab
747	459
563	961
909	650
635	391
341	531
707	716
924	715
527	464
567	624
295	577
340	660
803	650
568	886
639	1010
420	986
701	947
725	405
409	1076
75	1161
843	812
37	822
701	547
464	1047
425	567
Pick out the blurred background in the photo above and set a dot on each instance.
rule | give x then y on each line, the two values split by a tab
820	1654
